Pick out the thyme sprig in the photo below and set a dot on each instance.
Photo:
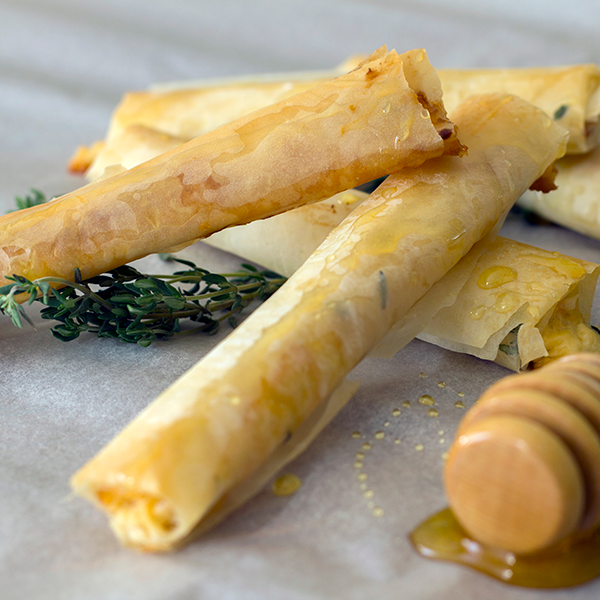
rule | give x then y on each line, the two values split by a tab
34	198
137	308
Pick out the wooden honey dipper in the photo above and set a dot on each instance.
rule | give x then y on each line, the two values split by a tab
524	470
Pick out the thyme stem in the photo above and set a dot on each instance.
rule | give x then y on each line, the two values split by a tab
138	308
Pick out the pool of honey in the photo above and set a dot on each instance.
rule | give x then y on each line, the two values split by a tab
571	562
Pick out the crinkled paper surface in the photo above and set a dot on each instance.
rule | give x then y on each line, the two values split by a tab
63	67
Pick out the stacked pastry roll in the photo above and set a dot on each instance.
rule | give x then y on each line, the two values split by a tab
149	122
169	115
384	115
536	324
251	402
519	305
576	201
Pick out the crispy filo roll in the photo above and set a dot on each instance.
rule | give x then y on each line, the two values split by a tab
521	306
382	116
533	307
133	146
181	460
570	95
187	110
576	201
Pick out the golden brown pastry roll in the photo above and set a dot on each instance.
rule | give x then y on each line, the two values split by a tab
131	147
282	243
576	201
520	306
182	459
571	95
380	117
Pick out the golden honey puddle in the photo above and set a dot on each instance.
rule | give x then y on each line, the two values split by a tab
568	563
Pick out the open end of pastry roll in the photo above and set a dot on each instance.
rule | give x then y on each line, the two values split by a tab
217	425
520	305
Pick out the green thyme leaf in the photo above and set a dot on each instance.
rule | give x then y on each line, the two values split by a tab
559	113
34	198
136	308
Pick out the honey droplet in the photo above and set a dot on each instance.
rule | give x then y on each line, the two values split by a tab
396	412
419	447
477	312
432	412
369	494
506	303
379	435
422	375
461	394
371	504
386	424
286	484
359	455
378	512
441	384
442	440
348	198
426	400
441	432
397	441
459	404
356	435
444	455
406	404
366	446
363	486
496	276
358	465
361	477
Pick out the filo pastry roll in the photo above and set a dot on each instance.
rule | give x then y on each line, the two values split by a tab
384	115
576	201
569	94
186	110
180	461
519	306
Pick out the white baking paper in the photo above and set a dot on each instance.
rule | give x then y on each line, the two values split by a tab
64	64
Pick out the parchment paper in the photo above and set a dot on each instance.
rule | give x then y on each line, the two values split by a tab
64	64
